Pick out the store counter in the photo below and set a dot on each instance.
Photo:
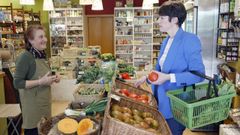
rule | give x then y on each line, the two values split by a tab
63	91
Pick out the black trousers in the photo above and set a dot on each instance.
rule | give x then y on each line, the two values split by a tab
33	131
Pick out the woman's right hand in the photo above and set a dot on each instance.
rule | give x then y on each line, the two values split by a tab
140	81
47	79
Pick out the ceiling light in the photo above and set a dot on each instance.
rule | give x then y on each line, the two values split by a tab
48	5
27	2
155	1
85	2
97	5
147	4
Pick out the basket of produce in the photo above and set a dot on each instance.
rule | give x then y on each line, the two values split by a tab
125	70
95	108
62	124
202	104
133	93
103	72
127	117
235	115
227	72
87	93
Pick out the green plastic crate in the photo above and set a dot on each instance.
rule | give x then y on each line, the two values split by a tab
198	114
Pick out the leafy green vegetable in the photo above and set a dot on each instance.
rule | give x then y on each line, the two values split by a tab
96	106
91	74
125	68
107	57
90	91
226	87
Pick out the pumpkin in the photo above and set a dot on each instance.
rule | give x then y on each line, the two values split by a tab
84	126
67	126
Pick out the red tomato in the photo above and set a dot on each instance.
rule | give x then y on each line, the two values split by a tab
125	76
132	95
153	76
144	96
144	101
124	91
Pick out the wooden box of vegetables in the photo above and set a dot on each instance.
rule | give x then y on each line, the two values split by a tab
133	93
87	93
126	117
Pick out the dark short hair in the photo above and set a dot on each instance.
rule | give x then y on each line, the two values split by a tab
173	9
30	34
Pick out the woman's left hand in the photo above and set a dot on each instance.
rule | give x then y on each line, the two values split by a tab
162	78
57	79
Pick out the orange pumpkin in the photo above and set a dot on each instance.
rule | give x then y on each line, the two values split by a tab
84	126
67	126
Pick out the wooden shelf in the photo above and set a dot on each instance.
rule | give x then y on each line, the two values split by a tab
142	37
72	27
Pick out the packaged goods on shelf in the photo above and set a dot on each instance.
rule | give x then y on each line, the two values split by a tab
135	27
66	29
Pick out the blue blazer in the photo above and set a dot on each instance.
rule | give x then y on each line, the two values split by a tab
183	56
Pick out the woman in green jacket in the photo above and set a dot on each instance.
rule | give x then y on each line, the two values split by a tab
33	79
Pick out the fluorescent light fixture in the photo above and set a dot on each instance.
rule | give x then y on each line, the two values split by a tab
97	5
27	2
48	5
189	2
85	2
155	1
147	4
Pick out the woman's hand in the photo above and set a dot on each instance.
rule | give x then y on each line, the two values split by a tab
47	79
140	81
57	79
162	78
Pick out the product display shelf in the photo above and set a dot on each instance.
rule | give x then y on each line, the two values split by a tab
123	19
11	28
17	38
137	36
157	37
227	42
66	29
36	18
6	21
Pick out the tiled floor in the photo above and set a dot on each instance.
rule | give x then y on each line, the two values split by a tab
59	106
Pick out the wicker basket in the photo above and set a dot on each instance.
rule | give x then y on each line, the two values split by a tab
139	91
87	99
48	126
113	126
226	74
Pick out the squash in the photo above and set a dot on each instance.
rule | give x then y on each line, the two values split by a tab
84	126
67	126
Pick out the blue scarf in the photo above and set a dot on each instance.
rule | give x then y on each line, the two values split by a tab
37	54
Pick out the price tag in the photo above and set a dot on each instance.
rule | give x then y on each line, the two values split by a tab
115	97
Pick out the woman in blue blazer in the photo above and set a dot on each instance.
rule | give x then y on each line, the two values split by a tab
180	53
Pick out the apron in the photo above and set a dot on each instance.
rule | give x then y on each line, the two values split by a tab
36	101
